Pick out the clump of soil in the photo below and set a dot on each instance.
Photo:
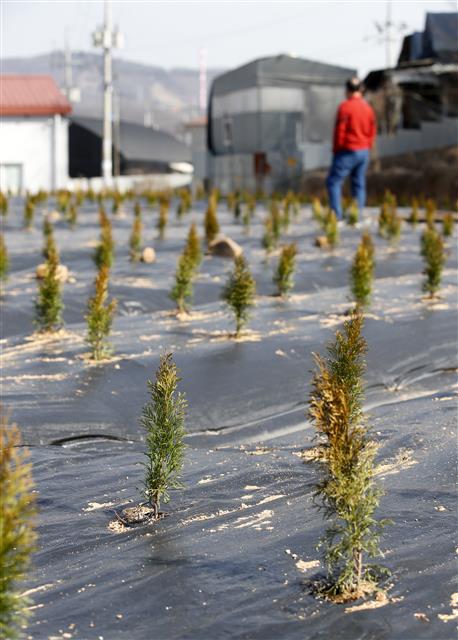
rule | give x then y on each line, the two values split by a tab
312	454
323	590
134	516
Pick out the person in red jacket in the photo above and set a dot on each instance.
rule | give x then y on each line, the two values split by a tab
354	134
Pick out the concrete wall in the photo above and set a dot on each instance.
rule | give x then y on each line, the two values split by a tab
431	135
196	139
236	171
229	172
159	182
38	147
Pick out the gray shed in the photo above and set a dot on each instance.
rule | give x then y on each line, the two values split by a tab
264	113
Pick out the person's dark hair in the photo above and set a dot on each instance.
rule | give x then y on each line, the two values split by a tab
353	85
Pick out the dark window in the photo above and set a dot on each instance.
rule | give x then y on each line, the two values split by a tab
227	131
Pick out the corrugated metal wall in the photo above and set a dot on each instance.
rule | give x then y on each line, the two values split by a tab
236	171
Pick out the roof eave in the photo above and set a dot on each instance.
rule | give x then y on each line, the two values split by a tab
9	111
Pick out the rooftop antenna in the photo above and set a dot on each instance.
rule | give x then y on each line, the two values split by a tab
388	37
203	81
107	38
385	33
68	66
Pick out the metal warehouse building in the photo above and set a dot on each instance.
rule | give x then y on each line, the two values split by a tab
137	150
270	120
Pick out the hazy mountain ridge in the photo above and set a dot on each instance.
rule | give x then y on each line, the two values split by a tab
164	97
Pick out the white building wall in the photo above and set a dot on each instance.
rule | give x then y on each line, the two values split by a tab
61	152
40	146
156	182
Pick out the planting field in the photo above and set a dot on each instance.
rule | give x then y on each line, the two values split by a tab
238	548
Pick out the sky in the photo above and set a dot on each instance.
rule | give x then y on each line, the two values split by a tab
170	33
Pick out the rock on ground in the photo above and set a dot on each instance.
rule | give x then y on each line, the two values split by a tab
148	255
225	247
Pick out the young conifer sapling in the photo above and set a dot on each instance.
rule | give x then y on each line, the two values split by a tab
352	213
430	213
413	218
211	223
230	200
182	290
48	304
79	198
276	220
4	259
393	227
361	275
135	239
367	241
72	214
434	258
99	317
63	198
286	217
317	210
3	204
192	247
284	275
48	234
383	219
29	213
248	211
104	251
346	487
331	229
163	218
239	293
17	529
448	225
268	240
237	207
163	418
117	202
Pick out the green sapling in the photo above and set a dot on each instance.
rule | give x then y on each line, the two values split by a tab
284	275
163	418
239	293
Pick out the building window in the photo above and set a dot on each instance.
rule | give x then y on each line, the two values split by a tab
227	131
11	178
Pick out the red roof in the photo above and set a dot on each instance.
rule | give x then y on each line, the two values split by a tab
30	96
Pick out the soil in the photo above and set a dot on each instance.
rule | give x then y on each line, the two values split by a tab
427	174
218	566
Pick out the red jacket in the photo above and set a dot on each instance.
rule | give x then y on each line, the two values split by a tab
355	126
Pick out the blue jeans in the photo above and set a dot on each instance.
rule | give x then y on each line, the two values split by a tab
347	163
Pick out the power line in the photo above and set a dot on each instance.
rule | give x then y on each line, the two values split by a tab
258	26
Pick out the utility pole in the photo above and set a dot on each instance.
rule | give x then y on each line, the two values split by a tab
387	33
72	93
107	39
117	135
388	40
68	67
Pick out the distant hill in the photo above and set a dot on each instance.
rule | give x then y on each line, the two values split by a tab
165	97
